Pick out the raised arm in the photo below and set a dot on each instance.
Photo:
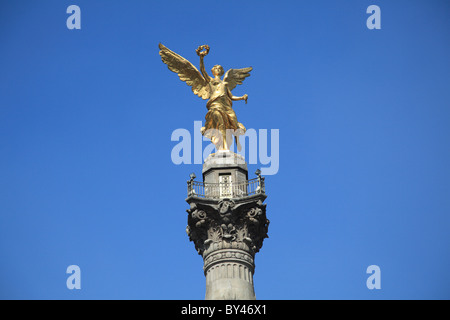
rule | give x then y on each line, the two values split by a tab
202	55
202	69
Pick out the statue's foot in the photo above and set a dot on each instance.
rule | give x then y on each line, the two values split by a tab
241	129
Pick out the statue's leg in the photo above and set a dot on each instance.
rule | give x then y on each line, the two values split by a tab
224	137
217	141
214	128
238	132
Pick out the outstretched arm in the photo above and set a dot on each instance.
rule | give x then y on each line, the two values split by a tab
234	98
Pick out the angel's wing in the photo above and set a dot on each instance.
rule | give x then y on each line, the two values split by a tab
236	76
186	71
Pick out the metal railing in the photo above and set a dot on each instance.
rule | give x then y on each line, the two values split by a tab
226	190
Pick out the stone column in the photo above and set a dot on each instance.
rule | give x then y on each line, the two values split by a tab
227	223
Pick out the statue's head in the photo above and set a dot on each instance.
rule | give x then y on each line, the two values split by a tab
217	70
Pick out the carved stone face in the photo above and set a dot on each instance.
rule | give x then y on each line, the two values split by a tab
217	70
225	206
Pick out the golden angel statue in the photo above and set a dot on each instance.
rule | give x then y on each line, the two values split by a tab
221	121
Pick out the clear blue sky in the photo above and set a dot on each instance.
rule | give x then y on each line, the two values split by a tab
86	118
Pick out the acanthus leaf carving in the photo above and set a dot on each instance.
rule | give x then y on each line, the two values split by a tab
226	223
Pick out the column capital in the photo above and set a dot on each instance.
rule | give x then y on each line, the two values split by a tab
227	223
